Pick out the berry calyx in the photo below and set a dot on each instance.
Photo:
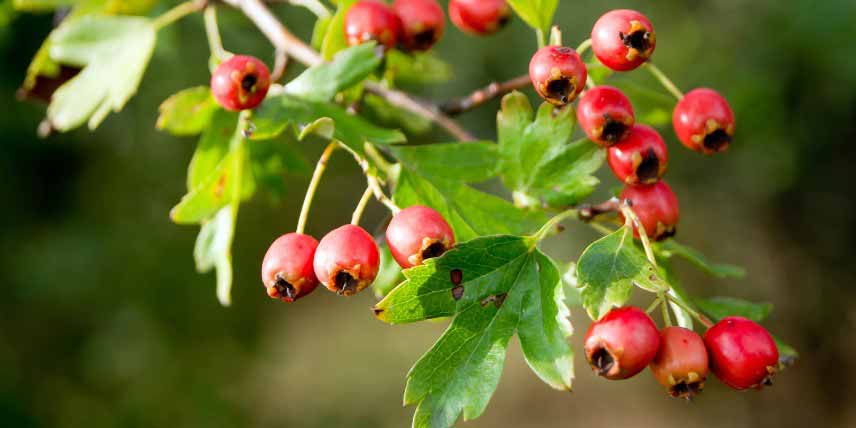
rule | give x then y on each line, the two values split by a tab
558	74
240	83
657	208
642	158
623	39
742	353
605	114
418	233
681	362
479	17
372	20
704	121
287	270
422	23
622	343
347	260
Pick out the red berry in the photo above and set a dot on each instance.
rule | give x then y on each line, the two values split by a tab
287	270
558	74
240	83
418	233
704	121
623	39
642	158
622	343
681	362
479	17
347	260
657	208
423	22
605	114
372	20
742	353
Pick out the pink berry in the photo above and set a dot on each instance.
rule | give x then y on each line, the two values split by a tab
418	233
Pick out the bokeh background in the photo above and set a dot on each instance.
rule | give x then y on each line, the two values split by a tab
104	322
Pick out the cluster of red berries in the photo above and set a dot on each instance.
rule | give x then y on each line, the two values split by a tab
417	25
741	353
622	40
347	259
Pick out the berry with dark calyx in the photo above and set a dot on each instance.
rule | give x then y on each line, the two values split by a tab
347	260
657	208
605	114
479	17
372	20
623	39
418	233
743	355
642	158
681	363
240	83
422	23
704	121
287	270
558	74
622	343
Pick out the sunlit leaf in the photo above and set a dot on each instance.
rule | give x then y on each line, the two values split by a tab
187	112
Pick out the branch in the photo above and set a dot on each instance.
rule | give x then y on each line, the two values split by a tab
283	40
588	213
483	95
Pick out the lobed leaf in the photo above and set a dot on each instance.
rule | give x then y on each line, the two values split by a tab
187	112
213	250
349	67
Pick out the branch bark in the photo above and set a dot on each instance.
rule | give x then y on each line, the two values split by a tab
483	95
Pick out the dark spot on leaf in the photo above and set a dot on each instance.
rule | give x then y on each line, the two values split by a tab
497	300
377	311
456	276
458	292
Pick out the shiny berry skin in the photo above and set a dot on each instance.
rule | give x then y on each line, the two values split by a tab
642	158
704	121
605	114
622	343
657	208
558	74
287	270
681	363
240	83
422	21
742	353
418	233
347	260
372	20
479	17
623	39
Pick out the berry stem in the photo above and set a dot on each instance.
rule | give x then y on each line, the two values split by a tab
555	36
374	154
584	46
320	167
212	30
633	219
177	13
361	206
653	306
664	307
664	80
694	313
377	189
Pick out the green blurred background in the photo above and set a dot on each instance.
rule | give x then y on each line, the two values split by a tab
104	322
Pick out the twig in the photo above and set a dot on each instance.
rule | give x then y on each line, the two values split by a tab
279	65
589	212
483	95
404	101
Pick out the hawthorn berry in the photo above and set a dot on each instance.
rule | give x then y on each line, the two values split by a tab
558	74
479	17
347	260
623	39
704	121
657	208
422	23
287	270
418	233
622	343
605	114
642	158
240	83
742	353
372	20
681	362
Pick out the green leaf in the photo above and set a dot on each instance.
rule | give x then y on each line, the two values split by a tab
271	160
213	250
334	40
380	111
470	212
420	68
504	285
212	147
538	159
42	5
114	52
671	248
721	307
188	112
537	13
349	67
609	268
468	162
